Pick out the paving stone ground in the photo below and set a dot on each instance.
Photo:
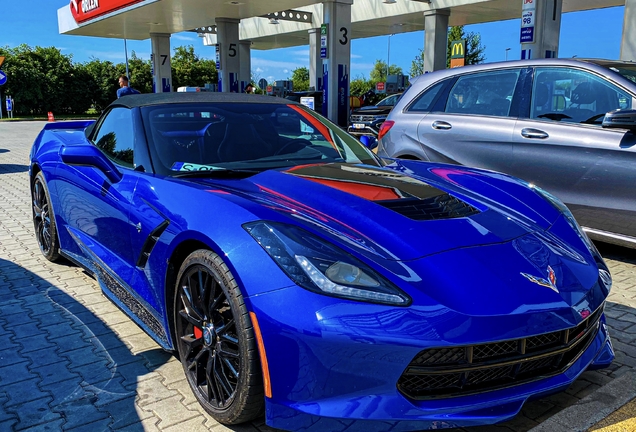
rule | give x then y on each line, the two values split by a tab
72	361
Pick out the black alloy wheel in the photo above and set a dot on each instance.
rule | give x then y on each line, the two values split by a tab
216	341
43	220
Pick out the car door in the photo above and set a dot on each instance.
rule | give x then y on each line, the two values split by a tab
96	210
473	126
561	146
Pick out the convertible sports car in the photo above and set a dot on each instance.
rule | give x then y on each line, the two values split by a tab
297	274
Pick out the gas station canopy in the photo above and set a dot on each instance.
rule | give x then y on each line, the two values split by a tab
326	27
134	19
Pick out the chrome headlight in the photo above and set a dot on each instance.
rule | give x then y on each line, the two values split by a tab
321	267
569	217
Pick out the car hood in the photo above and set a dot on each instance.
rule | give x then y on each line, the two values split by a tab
532	273
394	212
373	110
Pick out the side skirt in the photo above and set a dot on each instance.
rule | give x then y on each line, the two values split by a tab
121	295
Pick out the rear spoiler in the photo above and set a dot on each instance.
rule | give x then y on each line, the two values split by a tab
69	125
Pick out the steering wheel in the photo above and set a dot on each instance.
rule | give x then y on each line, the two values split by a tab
301	142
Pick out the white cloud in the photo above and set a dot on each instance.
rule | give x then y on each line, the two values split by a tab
118	56
270	78
301	53
259	70
285	70
108	55
355	56
184	38
274	64
368	66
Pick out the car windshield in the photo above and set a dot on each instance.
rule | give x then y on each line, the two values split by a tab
246	137
389	101
627	71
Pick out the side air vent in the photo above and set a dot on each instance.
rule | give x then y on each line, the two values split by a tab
443	206
150	243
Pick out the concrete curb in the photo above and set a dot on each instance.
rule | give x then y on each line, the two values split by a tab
594	407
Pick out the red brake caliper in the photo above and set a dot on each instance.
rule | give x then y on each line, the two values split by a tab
198	333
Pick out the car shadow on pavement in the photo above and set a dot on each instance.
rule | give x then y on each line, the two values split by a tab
12	168
61	366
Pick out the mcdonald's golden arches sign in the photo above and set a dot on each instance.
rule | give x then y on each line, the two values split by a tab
458	53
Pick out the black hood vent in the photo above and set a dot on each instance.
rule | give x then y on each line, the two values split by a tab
443	206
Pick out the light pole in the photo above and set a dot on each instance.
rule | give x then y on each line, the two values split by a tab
126	50
388	57
507	49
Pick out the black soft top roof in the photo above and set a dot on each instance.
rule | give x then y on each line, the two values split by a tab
140	100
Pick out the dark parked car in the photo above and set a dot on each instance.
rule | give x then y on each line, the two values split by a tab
544	121
368	119
317	95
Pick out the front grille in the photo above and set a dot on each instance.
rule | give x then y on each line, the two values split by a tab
457	371
443	206
362	118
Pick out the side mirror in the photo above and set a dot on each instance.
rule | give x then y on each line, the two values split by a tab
621	119
88	155
369	142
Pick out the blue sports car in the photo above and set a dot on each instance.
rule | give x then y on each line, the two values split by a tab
297	274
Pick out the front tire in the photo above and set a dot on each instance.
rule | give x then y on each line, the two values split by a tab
44	220
215	340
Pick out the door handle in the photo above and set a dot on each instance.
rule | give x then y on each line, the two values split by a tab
534	133
441	125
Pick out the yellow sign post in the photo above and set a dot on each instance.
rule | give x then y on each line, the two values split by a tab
458	53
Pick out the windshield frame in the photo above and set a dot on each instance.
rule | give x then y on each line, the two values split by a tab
626	71
395	96
163	120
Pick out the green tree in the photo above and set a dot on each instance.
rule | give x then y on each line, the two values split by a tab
104	78
80	90
360	85
417	65
474	50
41	80
300	79
140	73
378	73
189	70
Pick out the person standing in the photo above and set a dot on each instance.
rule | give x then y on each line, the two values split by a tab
124	88
249	89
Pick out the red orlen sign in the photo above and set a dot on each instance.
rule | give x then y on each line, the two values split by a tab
379	86
84	10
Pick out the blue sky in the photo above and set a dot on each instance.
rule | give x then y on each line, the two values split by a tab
584	34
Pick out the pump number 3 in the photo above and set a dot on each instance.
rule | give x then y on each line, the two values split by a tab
345	38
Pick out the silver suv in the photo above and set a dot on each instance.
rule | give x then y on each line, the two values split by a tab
552	122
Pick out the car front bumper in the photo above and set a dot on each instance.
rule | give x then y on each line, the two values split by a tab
358	128
334	365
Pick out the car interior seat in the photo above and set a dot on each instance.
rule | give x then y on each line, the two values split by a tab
242	142
177	149
584	94
541	98
606	101
212	138
500	107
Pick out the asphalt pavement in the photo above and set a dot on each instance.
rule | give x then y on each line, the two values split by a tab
70	360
